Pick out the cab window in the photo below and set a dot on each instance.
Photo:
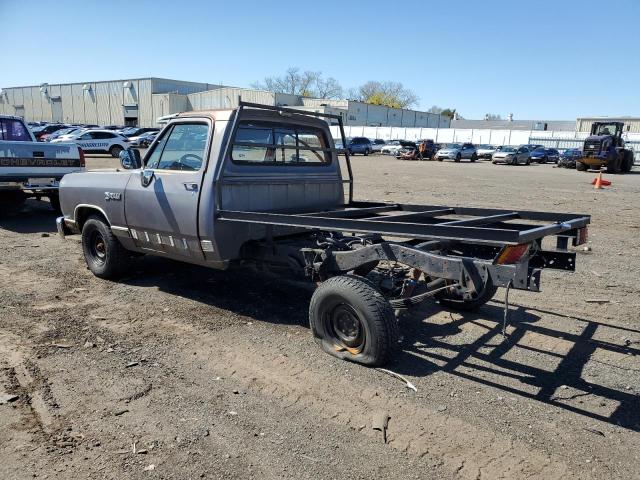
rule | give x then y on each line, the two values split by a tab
182	147
13	130
264	143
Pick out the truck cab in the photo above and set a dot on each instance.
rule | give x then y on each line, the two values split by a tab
202	162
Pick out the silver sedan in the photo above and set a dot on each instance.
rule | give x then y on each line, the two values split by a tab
512	156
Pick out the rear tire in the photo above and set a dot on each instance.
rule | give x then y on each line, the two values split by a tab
115	151
353	321
366	152
105	256
12	201
581	167
456	302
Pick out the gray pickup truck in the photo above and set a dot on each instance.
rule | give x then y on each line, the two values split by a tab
29	168
263	186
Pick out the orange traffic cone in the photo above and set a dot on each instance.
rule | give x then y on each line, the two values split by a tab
599	182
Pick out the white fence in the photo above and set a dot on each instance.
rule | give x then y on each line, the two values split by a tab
473	135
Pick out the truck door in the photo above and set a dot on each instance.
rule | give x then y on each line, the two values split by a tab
161	203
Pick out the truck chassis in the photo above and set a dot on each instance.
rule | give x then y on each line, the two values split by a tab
373	257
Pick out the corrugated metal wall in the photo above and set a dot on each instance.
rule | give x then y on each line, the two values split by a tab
227	97
631	125
103	102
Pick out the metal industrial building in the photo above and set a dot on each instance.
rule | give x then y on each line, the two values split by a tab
631	124
141	101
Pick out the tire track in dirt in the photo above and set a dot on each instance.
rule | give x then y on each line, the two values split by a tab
463	449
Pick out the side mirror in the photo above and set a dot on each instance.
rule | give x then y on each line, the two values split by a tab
130	159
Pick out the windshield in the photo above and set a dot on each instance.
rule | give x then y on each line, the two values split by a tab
454	145
508	149
606	129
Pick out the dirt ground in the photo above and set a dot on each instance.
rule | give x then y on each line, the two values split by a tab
182	372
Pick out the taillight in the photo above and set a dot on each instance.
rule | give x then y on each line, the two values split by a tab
512	253
81	153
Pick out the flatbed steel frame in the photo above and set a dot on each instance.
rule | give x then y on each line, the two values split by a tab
487	226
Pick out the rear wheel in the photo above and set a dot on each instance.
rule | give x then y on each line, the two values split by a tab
115	151
105	256
528	162
12	201
352	320
366	152
628	161
581	167
453	298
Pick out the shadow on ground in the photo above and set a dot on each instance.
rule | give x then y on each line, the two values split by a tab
428	347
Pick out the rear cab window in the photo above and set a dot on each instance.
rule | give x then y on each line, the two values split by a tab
267	143
13	130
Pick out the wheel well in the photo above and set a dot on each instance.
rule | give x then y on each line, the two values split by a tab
83	213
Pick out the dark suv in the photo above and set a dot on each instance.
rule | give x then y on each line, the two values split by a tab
359	145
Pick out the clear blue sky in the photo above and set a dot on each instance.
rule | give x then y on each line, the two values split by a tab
538	59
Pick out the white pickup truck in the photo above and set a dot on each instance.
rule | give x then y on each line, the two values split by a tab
32	169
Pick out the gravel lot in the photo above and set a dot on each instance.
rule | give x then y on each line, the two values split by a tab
182	372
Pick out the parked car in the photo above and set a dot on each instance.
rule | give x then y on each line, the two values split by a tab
544	155
59	133
136	131
143	140
32	169
407	147
359	145
512	156
97	141
457	151
41	132
393	147
426	148
377	144
485	151
569	157
532	146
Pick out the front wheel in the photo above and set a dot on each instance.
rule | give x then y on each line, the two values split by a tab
474	157
366	152
105	256
458	157
353	321
581	167
54	200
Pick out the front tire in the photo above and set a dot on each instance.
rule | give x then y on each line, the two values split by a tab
458	157
353	321
366	152
105	256
581	167
474	157
54	200
115	151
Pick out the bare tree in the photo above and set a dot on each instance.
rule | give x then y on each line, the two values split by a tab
328	88
391	94
306	84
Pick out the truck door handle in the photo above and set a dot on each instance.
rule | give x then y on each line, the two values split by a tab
190	186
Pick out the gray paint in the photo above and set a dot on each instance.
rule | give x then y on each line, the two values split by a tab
163	214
